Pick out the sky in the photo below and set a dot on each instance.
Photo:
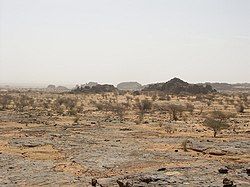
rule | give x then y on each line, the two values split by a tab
111	41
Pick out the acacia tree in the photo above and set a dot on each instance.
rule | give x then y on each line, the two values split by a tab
217	121
215	125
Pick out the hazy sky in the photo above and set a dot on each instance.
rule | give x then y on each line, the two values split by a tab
109	41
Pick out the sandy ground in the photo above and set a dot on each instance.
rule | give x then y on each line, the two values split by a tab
54	151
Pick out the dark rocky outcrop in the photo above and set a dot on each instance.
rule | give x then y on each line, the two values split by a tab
103	88
149	179
178	86
90	84
130	86
99	88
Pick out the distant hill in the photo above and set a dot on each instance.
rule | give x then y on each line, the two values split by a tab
130	86
225	87
178	86
62	88
53	88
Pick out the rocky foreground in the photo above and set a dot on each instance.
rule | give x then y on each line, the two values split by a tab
52	151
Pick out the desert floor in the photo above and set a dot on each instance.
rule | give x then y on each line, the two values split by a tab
37	149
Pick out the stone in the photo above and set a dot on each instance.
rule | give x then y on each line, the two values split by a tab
248	171
123	184
162	169
228	183
94	182
223	170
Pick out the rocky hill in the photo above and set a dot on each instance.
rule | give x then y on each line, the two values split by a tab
99	88
130	86
62	88
178	86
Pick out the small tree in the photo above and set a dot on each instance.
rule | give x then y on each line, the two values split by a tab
217	121
221	116
215	125
175	110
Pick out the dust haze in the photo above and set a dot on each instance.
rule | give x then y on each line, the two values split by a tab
125	93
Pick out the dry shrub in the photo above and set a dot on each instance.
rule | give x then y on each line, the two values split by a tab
190	108
163	96
154	97
175	110
240	108
5	100
169	129
103	106
209	103
23	101
129	99
184	145
69	103
117	108
76	119
143	107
